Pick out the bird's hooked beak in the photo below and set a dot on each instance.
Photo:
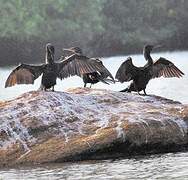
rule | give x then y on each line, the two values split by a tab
74	50
157	46
69	49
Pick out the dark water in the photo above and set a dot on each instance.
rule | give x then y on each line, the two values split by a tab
165	166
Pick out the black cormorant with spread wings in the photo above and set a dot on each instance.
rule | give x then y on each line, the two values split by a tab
140	76
93	77
50	71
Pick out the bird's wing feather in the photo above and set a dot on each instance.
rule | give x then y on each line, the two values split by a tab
127	71
104	73
79	65
24	74
165	68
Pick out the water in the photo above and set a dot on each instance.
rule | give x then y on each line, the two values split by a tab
172	88
164	166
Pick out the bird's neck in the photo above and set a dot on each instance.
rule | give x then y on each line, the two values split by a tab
148	58
49	58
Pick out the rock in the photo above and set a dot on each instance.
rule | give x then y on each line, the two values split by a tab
82	123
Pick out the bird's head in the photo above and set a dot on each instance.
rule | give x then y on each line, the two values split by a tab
50	51
129	58
148	48
75	50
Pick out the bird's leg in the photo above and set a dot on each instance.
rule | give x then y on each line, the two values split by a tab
85	84
145	92
52	88
90	85
45	89
135	87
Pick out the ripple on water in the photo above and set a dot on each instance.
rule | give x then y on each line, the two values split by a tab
161	166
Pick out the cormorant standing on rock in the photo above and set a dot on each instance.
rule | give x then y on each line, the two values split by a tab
70	66
140	76
94	77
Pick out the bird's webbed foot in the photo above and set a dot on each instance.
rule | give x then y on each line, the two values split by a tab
142	94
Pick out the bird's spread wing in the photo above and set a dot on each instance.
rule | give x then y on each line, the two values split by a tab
127	71
165	68
104	73
79	65
24	74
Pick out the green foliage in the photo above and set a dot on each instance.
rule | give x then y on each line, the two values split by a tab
40	18
101	27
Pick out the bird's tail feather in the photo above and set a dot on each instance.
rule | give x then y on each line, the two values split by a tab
107	81
125	90
111	80
104	81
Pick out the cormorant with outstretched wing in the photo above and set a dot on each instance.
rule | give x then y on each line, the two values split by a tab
93	77
140	76
50	71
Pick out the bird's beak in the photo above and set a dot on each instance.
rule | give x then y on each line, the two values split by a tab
157	46
70	50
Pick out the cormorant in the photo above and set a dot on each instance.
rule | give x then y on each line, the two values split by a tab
94	77
70	66
140	76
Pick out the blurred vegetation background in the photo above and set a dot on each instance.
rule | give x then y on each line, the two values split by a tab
99	27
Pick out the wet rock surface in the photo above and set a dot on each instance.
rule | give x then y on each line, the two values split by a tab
42	127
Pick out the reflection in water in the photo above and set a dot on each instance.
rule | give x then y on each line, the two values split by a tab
165	166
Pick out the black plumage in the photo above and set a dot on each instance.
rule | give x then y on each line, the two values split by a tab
50	71
140	76
94	77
